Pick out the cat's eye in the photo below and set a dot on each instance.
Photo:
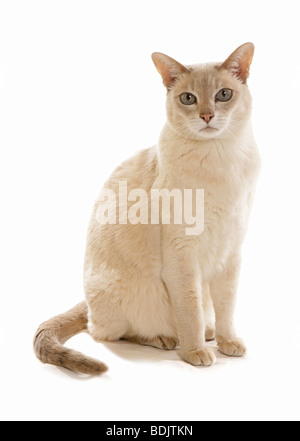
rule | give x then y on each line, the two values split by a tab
188	99
224	95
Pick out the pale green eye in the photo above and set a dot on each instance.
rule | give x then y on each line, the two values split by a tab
188	99
224	95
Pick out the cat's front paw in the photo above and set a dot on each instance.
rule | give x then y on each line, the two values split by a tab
232	348
199	357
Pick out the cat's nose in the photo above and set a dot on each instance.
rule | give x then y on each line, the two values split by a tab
207	116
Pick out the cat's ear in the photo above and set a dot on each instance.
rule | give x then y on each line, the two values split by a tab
240	61
168	68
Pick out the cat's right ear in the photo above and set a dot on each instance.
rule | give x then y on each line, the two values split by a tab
169	69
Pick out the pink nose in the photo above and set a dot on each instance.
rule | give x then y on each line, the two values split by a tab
207	117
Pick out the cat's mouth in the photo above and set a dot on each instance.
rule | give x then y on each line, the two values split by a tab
208	132
208	128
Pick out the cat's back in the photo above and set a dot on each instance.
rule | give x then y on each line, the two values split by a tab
122	242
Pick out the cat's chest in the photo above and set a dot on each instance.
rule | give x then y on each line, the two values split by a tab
224	201
226	213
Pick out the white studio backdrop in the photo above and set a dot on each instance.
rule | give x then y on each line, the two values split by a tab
79	94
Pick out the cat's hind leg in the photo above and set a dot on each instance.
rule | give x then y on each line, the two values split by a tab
106	323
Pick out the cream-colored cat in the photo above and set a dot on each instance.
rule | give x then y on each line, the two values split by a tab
154	284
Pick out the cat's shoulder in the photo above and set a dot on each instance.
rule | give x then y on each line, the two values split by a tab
139	170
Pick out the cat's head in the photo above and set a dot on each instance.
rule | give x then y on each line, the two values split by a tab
207	100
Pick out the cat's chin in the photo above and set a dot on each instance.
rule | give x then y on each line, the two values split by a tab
208	133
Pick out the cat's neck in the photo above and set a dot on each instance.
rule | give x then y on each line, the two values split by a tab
210	158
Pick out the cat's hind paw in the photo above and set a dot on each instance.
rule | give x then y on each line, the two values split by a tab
166	343
210	334
160	342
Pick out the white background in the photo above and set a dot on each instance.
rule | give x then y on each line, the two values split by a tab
78	94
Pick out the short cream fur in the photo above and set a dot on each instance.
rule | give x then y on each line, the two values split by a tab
153	284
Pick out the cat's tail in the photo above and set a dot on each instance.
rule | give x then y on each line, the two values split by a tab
51	335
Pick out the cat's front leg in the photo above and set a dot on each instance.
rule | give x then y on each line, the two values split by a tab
182	277
223	290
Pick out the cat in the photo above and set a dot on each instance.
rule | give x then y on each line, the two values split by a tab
153	284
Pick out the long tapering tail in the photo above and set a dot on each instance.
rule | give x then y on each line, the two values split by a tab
51	335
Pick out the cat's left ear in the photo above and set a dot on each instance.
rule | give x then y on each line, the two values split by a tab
240	61
169	69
